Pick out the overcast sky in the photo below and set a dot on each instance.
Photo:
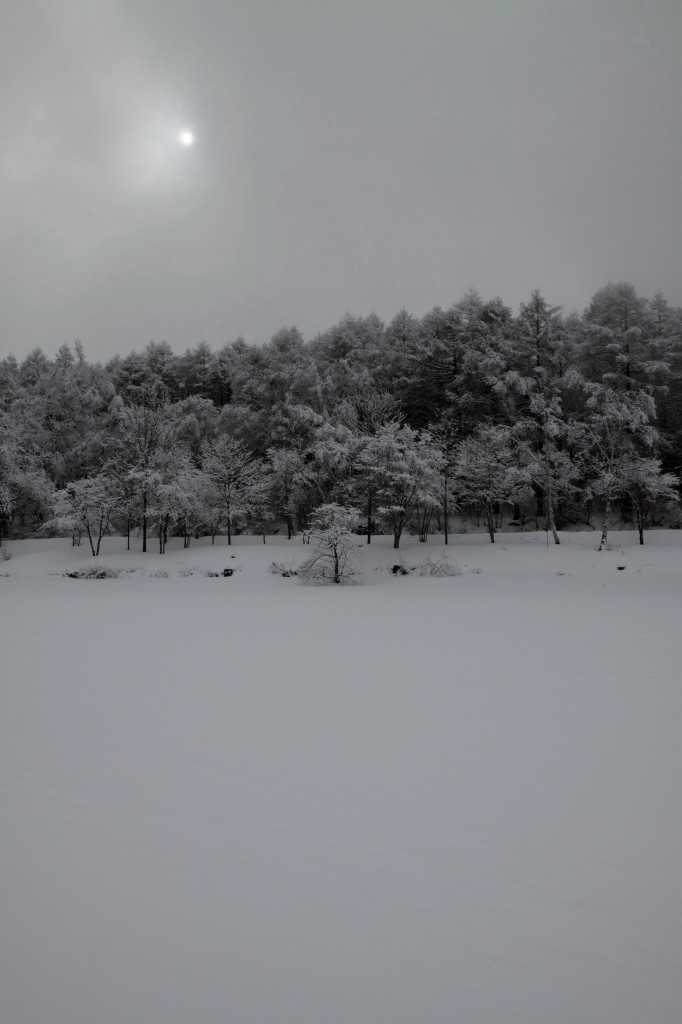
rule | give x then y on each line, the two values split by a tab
349	156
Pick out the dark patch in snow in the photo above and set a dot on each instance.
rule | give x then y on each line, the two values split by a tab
93	572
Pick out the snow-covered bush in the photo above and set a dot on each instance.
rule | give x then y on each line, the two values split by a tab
92	573
280	569
336	547
438	565
400	569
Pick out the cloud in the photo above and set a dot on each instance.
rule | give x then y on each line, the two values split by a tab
348	156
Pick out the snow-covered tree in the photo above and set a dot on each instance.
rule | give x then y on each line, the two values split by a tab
25	489
175	485
289	483
87	506
144	434
444	435
536	338
645	484
194	419
230	467
401	473
540	437
622	341
620	438
485	472
335	558
329	462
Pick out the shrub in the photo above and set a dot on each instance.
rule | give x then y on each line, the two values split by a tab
438	565
92	573
280	569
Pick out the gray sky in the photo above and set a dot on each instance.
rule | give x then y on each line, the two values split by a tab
350	156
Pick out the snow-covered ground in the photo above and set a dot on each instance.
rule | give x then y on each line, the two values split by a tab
417	800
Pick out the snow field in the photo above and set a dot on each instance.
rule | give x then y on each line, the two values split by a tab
414	800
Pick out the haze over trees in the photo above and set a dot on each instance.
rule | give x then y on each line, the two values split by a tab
548	419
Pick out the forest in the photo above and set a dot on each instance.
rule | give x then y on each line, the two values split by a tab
541	420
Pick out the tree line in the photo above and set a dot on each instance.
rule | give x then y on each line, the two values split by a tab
556	418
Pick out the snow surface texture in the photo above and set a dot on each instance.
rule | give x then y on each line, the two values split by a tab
418	800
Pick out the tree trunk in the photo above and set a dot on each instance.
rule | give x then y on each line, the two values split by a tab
92	546
102	528
445	517
549	503
640	524
369	519
550	521
491	524
605	522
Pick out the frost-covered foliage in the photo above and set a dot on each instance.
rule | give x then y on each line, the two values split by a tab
335	559
25	488
537	416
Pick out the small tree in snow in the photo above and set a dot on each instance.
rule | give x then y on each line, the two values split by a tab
644	484
336	547
86	506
